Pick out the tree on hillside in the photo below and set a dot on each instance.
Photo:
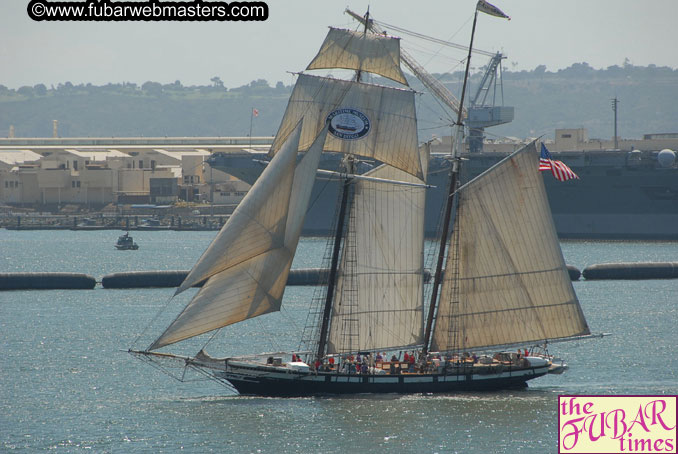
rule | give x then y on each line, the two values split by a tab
25	91
65	88
152	88
40	89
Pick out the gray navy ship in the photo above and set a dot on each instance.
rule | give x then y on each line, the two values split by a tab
630	192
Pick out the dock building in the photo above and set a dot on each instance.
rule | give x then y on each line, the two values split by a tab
94	172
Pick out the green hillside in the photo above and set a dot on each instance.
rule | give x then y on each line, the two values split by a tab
578	96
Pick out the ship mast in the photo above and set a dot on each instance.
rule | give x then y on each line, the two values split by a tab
332	279
454	179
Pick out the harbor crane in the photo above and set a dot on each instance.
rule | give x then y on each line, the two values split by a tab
483	110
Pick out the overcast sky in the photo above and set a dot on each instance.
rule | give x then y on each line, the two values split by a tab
555	33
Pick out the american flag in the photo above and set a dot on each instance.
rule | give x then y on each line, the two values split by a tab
255	112
558	168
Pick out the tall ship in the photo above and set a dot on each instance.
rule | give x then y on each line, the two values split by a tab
501	287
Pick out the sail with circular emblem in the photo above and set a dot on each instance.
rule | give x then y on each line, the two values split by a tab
365	120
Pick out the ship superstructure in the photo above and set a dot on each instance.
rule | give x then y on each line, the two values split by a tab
630	193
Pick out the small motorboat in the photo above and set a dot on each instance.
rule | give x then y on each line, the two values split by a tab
126	243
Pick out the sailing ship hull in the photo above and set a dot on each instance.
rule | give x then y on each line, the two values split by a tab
263	381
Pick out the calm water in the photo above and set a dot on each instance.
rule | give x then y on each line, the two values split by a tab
68	385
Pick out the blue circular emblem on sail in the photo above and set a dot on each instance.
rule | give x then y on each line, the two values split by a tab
348	124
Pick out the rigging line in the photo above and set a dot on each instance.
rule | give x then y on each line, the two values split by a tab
458	64
471	314
268	334
440	125
443	107
432	39
155	318
288	315
440	104
211	377
156	365
216	331
422	50
424	105
327	181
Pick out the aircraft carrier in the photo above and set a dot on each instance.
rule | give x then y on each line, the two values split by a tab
627	193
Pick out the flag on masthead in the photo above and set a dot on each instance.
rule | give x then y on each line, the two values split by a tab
490	9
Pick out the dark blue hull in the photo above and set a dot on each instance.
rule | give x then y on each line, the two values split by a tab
291	385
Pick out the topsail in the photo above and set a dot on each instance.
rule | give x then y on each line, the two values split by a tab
367	120
378	54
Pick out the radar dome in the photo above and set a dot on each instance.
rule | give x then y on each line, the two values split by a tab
666	158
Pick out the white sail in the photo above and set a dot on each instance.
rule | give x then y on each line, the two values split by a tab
378	303
378	54
247	264
505	279
366	120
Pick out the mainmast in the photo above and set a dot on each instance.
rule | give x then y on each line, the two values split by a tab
454	178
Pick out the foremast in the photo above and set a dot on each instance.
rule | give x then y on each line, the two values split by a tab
338	238
334	266
337	323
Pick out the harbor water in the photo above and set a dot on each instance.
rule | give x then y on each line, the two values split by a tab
68	384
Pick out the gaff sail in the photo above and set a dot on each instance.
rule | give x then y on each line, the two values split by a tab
505	278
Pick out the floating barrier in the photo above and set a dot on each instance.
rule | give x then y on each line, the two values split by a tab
144	279
46	281
161	279
641	270
148	279
308	276
574	272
